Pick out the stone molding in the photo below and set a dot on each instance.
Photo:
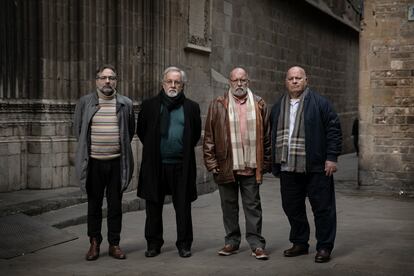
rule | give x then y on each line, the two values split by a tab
24	106
199	27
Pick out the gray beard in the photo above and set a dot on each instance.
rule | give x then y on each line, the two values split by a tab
107	91
239	92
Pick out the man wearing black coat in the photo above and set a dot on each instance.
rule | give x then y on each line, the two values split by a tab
306	141
169	127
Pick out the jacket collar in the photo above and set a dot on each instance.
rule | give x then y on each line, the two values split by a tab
119	101
224	100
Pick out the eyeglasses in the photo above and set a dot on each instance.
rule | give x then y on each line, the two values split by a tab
172	83
111	78
242	81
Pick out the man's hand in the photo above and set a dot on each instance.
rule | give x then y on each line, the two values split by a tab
330	168
216	170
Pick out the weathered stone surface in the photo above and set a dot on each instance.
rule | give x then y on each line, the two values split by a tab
387	84
65	41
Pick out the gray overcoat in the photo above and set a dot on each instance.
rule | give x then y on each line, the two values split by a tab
85	109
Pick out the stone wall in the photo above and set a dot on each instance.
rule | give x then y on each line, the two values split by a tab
387	96
50	50
268	37
36	144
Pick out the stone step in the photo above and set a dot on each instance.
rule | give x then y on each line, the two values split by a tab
76	214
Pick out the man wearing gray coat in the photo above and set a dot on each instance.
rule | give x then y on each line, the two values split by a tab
104	125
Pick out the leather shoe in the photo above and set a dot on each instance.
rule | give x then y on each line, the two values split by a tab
93	252
116	252
228	250
260	254
152	252
296	250
323	256
184	253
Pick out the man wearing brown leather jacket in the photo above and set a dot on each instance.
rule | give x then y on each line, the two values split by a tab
237	151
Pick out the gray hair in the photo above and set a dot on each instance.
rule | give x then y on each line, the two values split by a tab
175	69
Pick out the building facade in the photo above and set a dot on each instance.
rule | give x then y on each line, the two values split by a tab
50	49
386	98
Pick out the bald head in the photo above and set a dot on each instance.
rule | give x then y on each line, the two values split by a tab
237	70
296	81
296	69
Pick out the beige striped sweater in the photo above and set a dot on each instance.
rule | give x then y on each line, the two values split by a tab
105	130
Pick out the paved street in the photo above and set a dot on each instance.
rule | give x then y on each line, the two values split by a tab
375	237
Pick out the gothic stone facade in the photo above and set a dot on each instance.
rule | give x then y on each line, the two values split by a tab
386	99
50	49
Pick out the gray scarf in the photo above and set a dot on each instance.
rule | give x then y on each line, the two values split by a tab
292	156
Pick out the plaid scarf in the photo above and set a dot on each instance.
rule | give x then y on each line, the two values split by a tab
292	155
243	148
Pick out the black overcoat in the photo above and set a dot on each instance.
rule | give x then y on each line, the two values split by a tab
148	130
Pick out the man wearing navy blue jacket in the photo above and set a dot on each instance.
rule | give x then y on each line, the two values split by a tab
306	141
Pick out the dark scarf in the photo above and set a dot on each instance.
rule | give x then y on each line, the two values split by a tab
168	104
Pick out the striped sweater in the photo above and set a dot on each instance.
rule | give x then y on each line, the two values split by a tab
105	130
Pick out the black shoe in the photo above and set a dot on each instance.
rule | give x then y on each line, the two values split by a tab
296	250
184	253
323	256
152	252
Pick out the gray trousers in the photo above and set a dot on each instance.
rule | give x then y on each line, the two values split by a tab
229	195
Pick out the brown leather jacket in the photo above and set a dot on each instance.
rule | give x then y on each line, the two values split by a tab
217	145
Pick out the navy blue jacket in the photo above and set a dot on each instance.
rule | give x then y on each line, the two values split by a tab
323	136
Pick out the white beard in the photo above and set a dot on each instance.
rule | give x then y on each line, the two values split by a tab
172	93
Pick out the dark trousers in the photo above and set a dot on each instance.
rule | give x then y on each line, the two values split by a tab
104	174
229	196
319	188
172	178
